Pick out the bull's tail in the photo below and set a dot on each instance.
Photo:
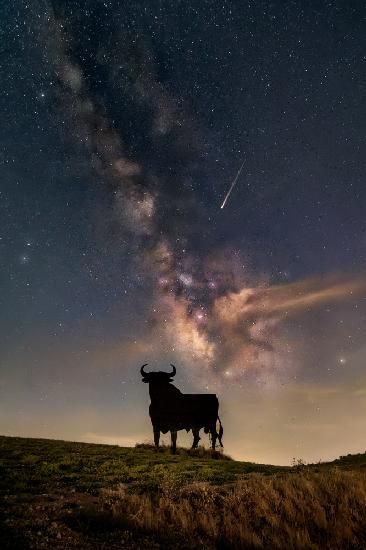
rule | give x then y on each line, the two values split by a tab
220	433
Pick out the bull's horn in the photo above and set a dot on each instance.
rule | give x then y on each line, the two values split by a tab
143	373
174	370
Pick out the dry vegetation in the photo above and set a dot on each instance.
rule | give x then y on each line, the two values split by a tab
64	495
302	510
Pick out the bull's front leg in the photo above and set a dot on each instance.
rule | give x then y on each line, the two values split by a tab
156	437
174	440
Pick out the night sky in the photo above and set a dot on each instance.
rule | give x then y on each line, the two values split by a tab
123	125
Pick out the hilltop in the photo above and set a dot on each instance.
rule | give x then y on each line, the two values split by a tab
79	495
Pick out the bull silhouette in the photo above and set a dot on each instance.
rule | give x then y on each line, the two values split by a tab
171	410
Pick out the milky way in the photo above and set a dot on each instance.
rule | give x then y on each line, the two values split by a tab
218	315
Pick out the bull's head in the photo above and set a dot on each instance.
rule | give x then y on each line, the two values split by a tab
159	377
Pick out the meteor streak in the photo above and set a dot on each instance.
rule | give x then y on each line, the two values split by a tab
232	185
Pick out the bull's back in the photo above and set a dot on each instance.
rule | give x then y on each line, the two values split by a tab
200	410
201	402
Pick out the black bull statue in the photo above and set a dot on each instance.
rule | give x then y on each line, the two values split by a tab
171	410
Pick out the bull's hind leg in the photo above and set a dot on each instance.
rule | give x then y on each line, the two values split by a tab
213	437
174	440
156	437
196	437
220	432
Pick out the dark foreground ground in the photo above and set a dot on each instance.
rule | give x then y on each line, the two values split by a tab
58	494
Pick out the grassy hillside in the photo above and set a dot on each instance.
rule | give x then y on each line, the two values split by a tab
76	495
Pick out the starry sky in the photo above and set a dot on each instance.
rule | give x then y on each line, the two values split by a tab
123	126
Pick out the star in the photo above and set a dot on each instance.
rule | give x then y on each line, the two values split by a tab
24	259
